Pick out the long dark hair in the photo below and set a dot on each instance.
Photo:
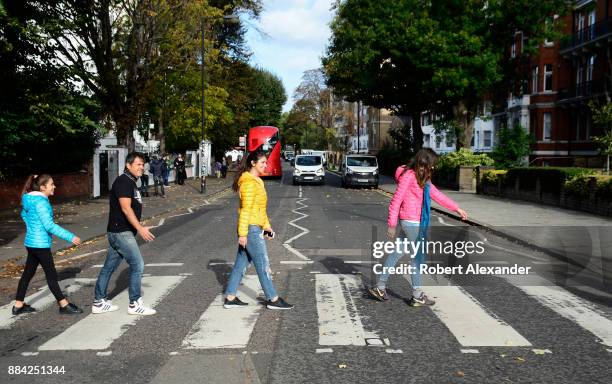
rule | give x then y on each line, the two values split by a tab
422	164
246	165
34	182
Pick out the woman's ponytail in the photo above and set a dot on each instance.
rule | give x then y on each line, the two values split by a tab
34	182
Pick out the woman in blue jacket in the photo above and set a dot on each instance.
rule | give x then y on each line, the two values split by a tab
38	215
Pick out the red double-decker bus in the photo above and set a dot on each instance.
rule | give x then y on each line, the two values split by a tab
267	139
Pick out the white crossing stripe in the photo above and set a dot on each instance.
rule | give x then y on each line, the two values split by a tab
470	323
42	299
339	321
219	327
98	331
148	265
574	308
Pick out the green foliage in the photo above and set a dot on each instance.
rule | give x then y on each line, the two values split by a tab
46	124
268	99
551	179
512	147
580	187
462	157
411	55
492	176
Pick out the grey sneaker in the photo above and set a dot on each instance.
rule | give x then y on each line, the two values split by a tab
378	294
420	301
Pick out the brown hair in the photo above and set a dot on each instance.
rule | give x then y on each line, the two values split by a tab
422	164
246	165
34	182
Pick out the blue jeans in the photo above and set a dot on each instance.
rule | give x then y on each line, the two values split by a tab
411	232
122	245
257	252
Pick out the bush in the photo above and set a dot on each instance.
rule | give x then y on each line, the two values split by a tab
552	179
492	176
603	189
447	165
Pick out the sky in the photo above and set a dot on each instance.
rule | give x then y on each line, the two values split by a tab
289	38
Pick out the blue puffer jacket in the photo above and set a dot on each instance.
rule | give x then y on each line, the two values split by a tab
38	216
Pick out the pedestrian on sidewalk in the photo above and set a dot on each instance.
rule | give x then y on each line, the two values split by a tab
123	225
179	166
411	203
166	167
37	214
253	227
144	179
157	168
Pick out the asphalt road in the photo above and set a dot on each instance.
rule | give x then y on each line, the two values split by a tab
553	325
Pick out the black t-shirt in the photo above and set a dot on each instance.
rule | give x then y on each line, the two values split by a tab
123	186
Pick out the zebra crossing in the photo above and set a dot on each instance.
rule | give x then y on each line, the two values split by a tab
340	308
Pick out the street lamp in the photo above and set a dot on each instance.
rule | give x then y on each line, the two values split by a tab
205	144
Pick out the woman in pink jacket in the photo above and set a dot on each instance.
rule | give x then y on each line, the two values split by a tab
411	204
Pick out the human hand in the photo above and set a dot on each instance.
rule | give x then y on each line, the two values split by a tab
146	234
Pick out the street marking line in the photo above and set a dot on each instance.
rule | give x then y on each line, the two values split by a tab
287	243
339	320
41	300
360	262
324	350
59	262
105	353
296	262
29	353
468	320
332	252
469	351
224	263
227	328
541	351
148	265
389	350
572	307
98	331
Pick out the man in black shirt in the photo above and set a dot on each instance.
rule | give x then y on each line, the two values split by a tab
123	225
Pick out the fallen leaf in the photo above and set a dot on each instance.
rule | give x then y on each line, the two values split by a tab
342	365
459	374
519	359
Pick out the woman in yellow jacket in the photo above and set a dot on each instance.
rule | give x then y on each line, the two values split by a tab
253	223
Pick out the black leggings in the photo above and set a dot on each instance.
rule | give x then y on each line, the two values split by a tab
43	257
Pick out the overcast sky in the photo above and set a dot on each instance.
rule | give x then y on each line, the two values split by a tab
297	32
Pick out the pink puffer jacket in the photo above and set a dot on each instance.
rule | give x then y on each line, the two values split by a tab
408	198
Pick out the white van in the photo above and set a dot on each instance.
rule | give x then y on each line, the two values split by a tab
359	170
308	169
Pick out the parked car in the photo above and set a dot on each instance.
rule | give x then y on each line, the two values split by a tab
308	169
357	170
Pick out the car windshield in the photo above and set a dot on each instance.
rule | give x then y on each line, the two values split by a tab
361	161
308	160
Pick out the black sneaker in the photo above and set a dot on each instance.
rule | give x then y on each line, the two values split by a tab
378	294
236	303
278	304
25	309
421	301
70	309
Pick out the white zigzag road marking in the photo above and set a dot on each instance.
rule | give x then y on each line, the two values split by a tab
287	243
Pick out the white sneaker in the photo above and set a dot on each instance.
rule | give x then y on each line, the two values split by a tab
103	306
138	308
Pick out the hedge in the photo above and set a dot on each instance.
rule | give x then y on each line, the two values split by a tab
580	187
552	179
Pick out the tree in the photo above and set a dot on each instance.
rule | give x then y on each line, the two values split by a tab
120	48
410	56
602	115
268	98
41	111
512	147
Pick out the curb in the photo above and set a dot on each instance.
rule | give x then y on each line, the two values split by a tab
501	234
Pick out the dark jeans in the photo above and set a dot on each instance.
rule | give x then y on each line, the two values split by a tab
122	246
158	180
144	185
43	257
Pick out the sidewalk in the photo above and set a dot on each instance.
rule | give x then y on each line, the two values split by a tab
88	219
575	236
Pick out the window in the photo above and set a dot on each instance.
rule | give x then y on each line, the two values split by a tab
513	51
438	141
449	140
487	139
548	77
426	139
580	27
547	127
591	31
426	119
534	80
590	66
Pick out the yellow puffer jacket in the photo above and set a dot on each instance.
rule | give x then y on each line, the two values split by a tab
253	203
